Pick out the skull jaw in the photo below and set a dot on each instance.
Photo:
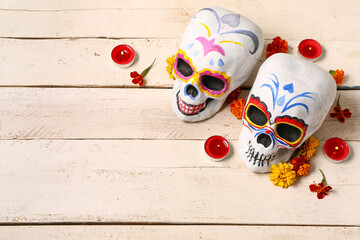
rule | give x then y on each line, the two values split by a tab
258	161
211	107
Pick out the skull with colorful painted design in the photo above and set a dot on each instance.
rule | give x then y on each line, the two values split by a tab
288	102
218	52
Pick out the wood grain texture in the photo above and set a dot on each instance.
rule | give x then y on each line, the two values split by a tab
70	113
87	62
324	19
144	181
178	232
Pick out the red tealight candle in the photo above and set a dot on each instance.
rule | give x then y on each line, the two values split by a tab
310	49
217	148
336	150
123	55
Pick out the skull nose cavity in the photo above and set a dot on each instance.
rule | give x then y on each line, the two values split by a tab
264	139
191	91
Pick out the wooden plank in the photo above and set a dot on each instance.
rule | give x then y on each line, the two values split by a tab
56	113
291	21
87	62
178	232
110	4
84	181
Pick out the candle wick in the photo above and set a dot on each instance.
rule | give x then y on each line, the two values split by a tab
336	148
122	53
217	146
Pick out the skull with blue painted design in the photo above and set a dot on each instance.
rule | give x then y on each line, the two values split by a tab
218	52
288	102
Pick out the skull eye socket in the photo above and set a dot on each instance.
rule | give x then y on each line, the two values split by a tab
184	68
256	116
212	83
288	132
256	113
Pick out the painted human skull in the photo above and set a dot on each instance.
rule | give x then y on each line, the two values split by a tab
288	102
218	52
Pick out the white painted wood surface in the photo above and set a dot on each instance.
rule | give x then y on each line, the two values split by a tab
178	232
163	181
96	149
87	62
85	113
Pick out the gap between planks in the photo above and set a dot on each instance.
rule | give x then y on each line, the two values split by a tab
165	224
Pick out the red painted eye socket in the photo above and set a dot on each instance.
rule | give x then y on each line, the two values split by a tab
256	112
289	129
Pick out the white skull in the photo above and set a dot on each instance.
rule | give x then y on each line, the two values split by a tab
288	102
218	52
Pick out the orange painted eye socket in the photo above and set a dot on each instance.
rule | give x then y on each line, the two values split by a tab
256	112
290	130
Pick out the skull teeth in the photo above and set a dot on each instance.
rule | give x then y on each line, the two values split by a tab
255	158
189	109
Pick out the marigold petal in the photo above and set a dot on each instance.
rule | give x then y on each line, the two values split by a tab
327	188
134	74
347	113
313	187
135	81
320	195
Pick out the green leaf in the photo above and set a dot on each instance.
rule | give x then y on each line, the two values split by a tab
147	69
324	179
338	102
332	72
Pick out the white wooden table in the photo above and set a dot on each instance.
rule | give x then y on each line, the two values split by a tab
84	154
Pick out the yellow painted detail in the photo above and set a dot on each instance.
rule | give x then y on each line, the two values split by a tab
207	29
231	42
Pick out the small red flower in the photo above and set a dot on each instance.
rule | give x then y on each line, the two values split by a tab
139	78
233	95
340	114
321	189
278	45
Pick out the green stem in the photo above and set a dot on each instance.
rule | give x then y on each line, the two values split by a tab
324	179
338	102
147	69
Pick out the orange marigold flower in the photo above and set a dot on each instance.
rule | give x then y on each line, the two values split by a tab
338	75
303	170
308	148
278	45
299	161
237	107
139	78
233	95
